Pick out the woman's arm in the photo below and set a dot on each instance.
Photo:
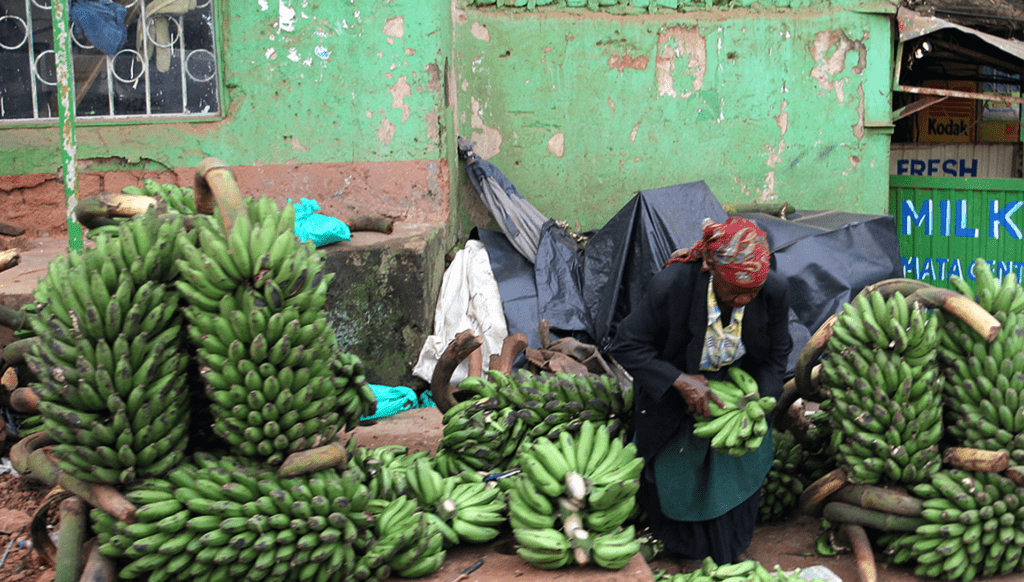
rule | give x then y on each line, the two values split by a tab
770	373
641	336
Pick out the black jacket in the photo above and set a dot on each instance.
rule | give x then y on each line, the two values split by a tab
662	338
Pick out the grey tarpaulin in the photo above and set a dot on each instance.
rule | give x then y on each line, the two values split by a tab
518	219
826	256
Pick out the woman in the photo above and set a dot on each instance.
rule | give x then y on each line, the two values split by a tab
714	305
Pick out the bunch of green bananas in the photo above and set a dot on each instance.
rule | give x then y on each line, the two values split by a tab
383	469
992	293
224	517
481	436
880	374
586	484
741	424
780	492
407	542
110	360
268	357
984	389
975	527
177	199
483	431
463	507
745	571
984	405
820	456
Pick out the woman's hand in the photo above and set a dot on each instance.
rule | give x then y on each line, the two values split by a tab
697	394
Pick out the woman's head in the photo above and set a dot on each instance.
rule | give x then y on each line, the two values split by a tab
736	253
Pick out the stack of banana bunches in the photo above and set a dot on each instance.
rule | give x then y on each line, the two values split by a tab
928	429
185	364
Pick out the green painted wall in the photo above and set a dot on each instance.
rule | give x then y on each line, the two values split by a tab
306	81
581	109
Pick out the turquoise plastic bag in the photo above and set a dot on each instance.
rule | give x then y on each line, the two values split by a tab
394	399
322	230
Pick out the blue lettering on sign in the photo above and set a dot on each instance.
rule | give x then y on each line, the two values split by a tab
960	229
997	217
922	268
954	269
956	167
973	171
945	216
923	218
911	217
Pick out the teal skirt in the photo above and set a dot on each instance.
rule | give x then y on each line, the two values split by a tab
696	483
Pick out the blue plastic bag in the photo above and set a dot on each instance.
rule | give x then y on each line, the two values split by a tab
322	230
102	21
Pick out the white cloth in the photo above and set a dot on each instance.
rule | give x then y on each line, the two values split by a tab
469	299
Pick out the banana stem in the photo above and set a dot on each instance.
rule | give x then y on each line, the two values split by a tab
215	186
889	287
959	305
815	495
440	381
98	568
1016	474
98	210
333	454
809	356
25	400
858	538
14	352
976	459
12	319
840	512
30	456
72	536
511	347
880	499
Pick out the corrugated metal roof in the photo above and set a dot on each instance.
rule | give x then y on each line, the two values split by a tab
913	25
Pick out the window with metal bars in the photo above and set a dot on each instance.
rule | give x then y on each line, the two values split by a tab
166	68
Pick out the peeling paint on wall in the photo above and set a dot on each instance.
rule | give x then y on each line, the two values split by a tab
285	17
480	32
622	62
486	140
386	131
858	128
674	44
395	28
829	50
399	91
556	144
632	134
782	119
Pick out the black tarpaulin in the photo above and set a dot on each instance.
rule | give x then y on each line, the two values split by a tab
825	256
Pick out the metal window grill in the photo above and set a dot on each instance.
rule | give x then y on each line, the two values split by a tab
167	68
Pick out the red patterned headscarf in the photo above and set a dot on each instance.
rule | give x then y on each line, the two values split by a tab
736	249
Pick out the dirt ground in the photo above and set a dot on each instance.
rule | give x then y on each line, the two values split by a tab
789	545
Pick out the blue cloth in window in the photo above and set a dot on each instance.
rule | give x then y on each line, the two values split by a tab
102	21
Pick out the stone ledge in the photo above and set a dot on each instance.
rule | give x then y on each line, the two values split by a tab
380	304
382	299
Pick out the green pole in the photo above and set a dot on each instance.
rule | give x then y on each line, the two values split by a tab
66	114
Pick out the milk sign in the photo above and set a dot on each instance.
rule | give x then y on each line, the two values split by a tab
944	224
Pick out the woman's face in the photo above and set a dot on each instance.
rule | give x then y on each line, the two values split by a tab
731	295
